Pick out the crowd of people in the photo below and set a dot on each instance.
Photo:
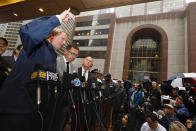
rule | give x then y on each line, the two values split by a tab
147	106
161	108
120	105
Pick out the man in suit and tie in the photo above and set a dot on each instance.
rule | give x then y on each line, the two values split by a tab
87	114
86	68
64	61
64	64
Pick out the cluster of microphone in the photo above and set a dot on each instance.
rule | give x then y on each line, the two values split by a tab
57	94
80	89
45	75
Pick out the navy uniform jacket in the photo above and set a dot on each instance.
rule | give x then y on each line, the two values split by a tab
10	60
14	98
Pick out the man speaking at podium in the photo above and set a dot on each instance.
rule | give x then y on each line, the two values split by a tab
40	38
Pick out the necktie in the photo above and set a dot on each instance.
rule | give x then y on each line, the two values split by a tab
85	74
67	67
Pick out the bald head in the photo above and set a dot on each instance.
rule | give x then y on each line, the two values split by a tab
154	84
87	63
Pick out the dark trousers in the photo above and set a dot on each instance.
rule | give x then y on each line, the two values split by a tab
78	117
117	117
91	116
20	122
106	113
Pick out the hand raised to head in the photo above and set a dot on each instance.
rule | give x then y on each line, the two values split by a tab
66	15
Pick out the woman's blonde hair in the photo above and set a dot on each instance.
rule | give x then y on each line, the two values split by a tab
177	126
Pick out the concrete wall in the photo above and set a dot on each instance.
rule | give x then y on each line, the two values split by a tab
174	28
186	44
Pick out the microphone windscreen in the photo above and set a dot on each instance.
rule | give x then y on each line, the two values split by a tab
82	79
75	75
38	66
49	69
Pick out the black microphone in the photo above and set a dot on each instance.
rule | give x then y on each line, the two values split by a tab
75	75
82	79
45	75
94	82
36	68
68	80
82	92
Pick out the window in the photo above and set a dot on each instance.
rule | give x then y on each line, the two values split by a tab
101	32
138	9
171	5
94	42
103	22
82	33
92	32
154	7
81	42
85	23
145	57
93	54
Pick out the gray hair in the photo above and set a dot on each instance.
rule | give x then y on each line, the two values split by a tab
177	126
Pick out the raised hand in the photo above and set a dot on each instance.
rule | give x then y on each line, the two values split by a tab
66	15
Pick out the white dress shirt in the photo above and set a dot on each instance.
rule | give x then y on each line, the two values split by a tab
86	74
66	65
15	58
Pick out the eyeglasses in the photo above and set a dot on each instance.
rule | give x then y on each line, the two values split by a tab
72	53
188	122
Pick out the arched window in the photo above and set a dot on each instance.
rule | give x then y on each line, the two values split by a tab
145	58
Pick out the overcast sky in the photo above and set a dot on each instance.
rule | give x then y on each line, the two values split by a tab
188	1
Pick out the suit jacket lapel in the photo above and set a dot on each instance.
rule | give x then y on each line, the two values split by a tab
80	71
64	67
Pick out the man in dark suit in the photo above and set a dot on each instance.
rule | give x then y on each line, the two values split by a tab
40	38
85	69
12	59
4	65
70	54
63	106
85	110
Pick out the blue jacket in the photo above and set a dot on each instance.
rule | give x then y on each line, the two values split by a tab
137	97
14	98
182	113
167	120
